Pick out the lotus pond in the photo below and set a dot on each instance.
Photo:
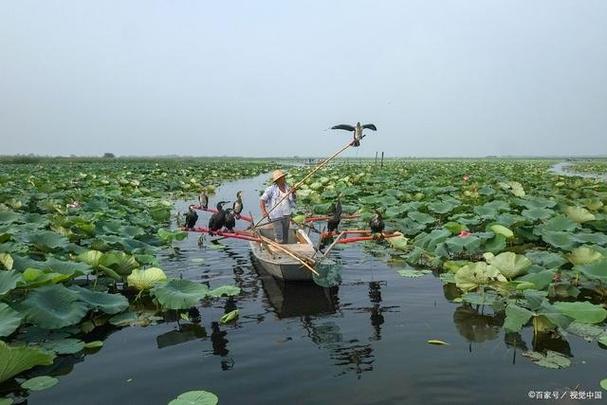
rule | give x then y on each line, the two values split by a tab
502	268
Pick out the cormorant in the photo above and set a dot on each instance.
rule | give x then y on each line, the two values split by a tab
333	221
358	131
190	218
377	223
237	206
230	221
203	198
218	219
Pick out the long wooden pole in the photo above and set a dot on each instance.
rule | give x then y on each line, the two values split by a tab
289	252
317	168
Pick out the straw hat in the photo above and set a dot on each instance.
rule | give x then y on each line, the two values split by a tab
277	174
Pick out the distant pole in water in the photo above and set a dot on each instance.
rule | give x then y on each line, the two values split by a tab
382	159
376	157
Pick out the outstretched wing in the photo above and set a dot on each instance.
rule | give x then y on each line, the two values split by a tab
344	127
370	126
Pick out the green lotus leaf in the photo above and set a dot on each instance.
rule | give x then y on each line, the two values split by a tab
591	237
501	230
39	383
6	261
546	259
195	398
8	217
456	244
516	318
579	214
36	277
299	219
69	268
584	255
47	240
473	275
536	214
595	270
443	207
227	290
549	360
398	242
413	273
584	311
90	257
561	240
146	279
585	330
108	303
421	217
160	213
8	281
14	360
179	294
229	317
453	266
455	227
63	346
510	265
53	307
540	280
169	236
495	244
120	262
560	223
10	320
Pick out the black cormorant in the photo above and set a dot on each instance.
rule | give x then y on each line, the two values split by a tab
357	129
230	221
335	216
237	206
218	219
203	198
190	218
377	223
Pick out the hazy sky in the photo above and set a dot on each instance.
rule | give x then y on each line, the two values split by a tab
267	78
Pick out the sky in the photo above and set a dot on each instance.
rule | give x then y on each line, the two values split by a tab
269	78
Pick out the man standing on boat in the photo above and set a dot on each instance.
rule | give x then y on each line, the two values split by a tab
280	207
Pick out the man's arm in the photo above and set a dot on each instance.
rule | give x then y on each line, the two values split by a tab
263	200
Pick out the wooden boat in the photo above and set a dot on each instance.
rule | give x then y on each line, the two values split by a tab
280	264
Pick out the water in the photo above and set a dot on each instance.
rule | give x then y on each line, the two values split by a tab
363	342
561	169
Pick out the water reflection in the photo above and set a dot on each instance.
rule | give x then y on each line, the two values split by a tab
476	326
184	333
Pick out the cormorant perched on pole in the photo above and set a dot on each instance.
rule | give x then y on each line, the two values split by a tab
238	206
230	221
203	198
377	223
190	218
335	218
357	129
218	219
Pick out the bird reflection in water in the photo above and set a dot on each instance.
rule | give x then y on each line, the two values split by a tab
220	346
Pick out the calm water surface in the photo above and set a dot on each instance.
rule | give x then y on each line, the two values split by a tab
363	342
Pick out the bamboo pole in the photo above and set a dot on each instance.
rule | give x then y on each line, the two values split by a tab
288	252
332	245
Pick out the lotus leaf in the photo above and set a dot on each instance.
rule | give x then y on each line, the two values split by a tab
473	275
509	264
179	294
108	303
53	307
120	262
584	255
550	360
9	320
39	383
579	214
501	230
227	290
8	281
6	261
195	398
64	346
584	311
516	318
146	279
14	360
230	316
594	270
561	240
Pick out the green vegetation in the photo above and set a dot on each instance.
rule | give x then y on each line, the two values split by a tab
78	246
592	167
504	234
